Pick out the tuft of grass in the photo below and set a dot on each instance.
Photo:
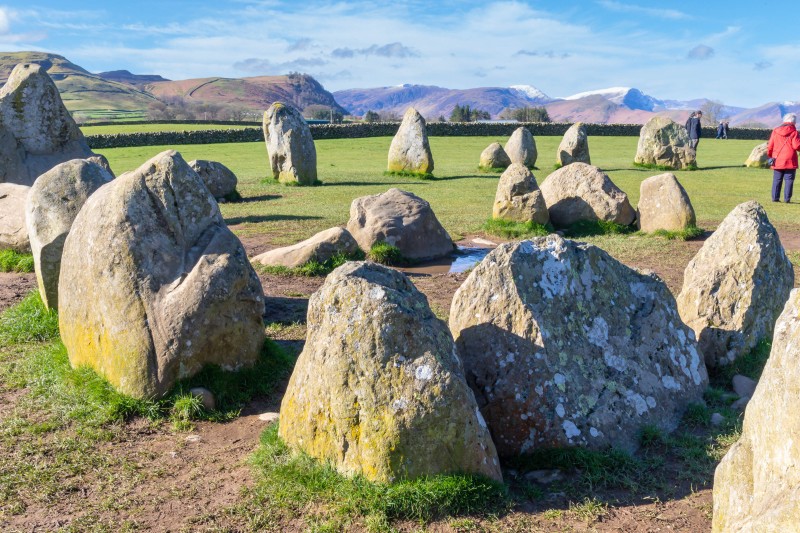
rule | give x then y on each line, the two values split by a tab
589	510
312	268
556	166
665	168
13	261
650	435
492	170
515	230
687	234
187	407
409	174
28	321
387	254
589	228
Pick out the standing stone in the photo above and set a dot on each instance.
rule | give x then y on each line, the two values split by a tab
378	390
518	197
664	205
154	285
53	203
13	231
665	143
736	285
410	150
494	157
757	484
219	179
320	247
574	147
291	150
565	346
581	192
758	157
521	147
401	219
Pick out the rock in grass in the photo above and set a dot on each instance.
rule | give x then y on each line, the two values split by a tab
319	248
52	205
291	150
744	386
757	484
410	151
378	389
758	157
581	192
219	179
154	285
206	397
664	143
13	231
565	346
518	197
493	156
574	146
664	205
736	285
521	147
401	219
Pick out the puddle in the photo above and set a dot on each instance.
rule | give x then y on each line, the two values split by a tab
459	261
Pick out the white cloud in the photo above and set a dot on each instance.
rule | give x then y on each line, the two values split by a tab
5	20
620	7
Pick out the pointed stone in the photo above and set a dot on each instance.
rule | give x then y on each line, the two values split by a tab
291	150
410	150
521	147
574	147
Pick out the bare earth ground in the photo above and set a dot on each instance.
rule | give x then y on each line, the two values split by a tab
187	481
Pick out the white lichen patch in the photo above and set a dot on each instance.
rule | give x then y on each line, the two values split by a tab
637	402
670	383
560	411
570	429
376	293
423	373
554	279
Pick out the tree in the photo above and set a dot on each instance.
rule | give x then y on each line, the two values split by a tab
371	116
322	112
713	112
526	114
466	114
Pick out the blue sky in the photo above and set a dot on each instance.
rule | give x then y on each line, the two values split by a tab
729	51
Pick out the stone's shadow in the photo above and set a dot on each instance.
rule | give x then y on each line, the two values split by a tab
493	176
281	310
366	183
267	218
262	198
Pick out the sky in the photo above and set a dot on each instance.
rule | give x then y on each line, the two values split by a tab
728	51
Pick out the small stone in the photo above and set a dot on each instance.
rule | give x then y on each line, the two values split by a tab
219	179
545	477
410	150
574	147
744	386
319	248
665	143
664	205
521	147
269	417
13	230
518	197
483	242
494	157
206	397
193	438
717	419
758	157
740	404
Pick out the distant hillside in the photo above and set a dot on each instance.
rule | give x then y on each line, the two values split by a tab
125	76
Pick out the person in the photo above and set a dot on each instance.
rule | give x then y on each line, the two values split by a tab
693	128
725	129
783	145
720	130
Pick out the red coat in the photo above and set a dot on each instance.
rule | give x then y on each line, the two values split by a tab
783	145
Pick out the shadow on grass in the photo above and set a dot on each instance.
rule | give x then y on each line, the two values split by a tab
261	198
371	183
267	218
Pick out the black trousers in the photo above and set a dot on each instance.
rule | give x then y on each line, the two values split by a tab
779	177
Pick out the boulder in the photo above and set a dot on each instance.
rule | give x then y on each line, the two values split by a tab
574	147
36	130
410	150
401	219
518	197
757	484
521	147
13	231
579	192
378	390
665	143
219	179
494	157
758	157
291	150
319	248
736	285
664	204
565	346
154	285
52	205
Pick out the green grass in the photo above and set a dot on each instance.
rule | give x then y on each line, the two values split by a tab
686	234
663	168
409	174
28	321
312	268
750	365
387	254
13	261
586	228
510	229
492	170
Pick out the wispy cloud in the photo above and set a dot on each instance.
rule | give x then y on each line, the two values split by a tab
387	50
762	65
701	52
265	66
549	54
300	45
620	7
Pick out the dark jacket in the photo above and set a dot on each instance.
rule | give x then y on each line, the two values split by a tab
693	127
783	145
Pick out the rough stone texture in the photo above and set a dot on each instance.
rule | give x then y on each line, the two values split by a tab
401	219
379	390
736	285
319	248
574	147
664	204
744	386
758	157
757	484
582	192
13	231
493	156
410	150
100	159
664	142
36	130
518	197
291	150
219	179
521	147
153	283
565	346
52	205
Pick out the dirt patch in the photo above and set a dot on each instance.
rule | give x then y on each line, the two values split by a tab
14	287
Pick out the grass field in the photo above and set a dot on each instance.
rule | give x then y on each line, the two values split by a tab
147	128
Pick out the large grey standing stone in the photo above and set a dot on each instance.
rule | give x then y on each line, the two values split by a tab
565	346
758	157
521	147
319	248
53	203
219	179
410	150
493	156
291	150
736	285
378	389
664	205
665	143
36	130
518	197
13	231
574	147
154	285
401	219
757	484
581	192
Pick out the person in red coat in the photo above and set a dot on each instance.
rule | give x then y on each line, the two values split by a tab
783	145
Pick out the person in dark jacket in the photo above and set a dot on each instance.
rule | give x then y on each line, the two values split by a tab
693	128
725	126
783	145
720	130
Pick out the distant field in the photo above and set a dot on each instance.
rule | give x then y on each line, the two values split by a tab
142	128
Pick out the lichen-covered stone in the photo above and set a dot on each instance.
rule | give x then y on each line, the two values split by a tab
53	203
378	389
518	197
291	150
565	346
13	231
758	157
493	156
521	147
410	150
154	285
319	248
219	179
665	143
736	285
757	484
574	147
664	205
581	192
